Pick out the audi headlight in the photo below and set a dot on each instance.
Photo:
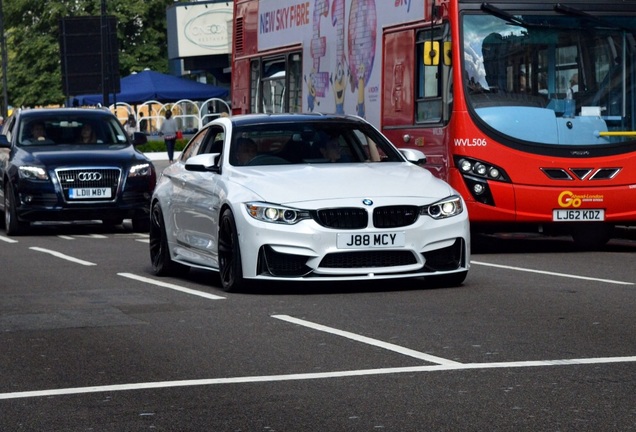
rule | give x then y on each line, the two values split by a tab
140	170
273	213
448	207
32	173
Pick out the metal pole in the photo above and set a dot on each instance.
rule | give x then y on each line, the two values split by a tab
3	46
105	54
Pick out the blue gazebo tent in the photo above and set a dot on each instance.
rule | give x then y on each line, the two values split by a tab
148	85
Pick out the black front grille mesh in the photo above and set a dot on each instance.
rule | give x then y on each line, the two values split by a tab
394	216
358	218
343	218
365	259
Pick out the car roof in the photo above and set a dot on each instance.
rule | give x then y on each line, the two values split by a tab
242	119
46	112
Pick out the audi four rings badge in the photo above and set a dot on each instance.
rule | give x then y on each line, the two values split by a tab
89	176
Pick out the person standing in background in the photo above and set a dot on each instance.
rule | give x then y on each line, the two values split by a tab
131	125
143	124
169	130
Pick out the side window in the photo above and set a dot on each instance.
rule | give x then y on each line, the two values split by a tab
279	82
429	80
213	141
193	146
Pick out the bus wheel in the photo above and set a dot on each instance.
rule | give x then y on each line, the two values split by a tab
592	235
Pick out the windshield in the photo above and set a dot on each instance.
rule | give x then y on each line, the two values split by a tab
558	79
309	143
59	129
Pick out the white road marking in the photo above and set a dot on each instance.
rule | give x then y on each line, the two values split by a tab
367	340
63	256
73	237
171	286
7	239
566	275
309	376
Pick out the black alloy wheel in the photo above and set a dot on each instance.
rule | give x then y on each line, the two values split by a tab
162	264
230	267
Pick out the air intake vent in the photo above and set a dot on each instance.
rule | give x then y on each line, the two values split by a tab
605	174
557	173
239	35
581	173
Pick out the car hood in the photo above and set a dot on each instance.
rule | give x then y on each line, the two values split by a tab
294	184
78	154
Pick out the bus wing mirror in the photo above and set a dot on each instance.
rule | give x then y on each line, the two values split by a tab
431	53
448	46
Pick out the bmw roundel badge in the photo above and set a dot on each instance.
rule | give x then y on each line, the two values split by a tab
367	202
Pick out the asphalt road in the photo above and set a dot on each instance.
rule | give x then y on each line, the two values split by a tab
541	337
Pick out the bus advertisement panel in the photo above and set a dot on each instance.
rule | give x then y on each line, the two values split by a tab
340	47
526	108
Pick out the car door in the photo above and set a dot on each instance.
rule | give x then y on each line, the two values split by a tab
5	154
198	201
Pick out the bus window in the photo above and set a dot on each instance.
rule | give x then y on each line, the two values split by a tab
278	84
578	78
429	82
273	87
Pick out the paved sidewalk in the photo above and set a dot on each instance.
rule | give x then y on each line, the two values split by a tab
157	156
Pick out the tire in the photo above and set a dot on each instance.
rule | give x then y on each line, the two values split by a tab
141	224
230	266
592	236
162	264
12	225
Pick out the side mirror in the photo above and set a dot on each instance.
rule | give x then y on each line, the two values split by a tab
204	163
4	142
413	156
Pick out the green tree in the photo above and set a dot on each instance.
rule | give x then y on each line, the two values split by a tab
32	30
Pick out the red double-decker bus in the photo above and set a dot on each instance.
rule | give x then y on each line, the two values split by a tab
527	108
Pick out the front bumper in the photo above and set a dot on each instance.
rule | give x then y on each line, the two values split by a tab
308	251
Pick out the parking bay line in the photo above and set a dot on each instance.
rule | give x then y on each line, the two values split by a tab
63	256
171	286
565	275
368	340
309	376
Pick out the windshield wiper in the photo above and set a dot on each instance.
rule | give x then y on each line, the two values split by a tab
569	10
495	11
499	13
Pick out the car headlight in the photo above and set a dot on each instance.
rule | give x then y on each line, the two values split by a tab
273	213
32	173
139	170
448	207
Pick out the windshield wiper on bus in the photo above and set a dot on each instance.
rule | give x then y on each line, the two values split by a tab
571	11
495	11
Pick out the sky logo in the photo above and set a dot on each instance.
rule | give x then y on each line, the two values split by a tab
401	3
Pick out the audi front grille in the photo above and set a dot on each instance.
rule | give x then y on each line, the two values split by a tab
70	178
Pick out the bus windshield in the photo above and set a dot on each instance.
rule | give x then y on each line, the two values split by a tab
564	78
